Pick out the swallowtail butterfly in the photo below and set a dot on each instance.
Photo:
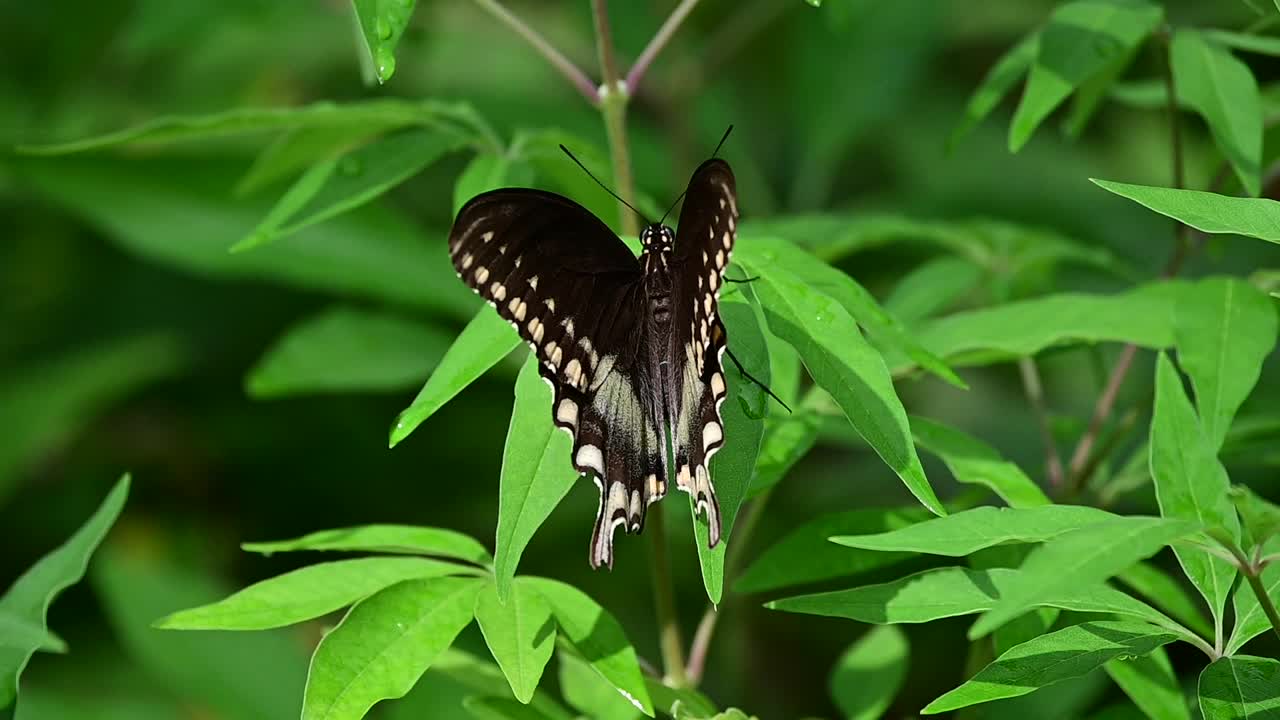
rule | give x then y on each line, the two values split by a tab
630	346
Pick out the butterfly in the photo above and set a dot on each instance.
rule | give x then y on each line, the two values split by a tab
631	347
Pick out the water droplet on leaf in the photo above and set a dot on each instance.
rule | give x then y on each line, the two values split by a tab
383	28
386	63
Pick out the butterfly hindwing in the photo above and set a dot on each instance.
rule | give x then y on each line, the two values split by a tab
704	241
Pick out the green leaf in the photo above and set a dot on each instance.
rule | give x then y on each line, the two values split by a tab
842	362
869	674
1191	484
972	461
345	349
536	473
932	287
953	591
1224	329
382	112
1240	688
493	708
1093	90
1167	593
1067	653
1081	39
1223	91
298	149
1205	211
1261	44
1142	316
488	171
1250	619
996	84
18	633
481	345
27	601
485	677
384	644
675	701
382	22
966	532
774	256
307	593
1150	682
786	441
588	693
372	251
44	405
1261	519
335	186
598	637
405	539
521	634
805	555
732	467
1081	557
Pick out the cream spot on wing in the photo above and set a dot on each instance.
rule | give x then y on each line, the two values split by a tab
550	303
573	371
466	261
717	384
719	258
517	261
567	324
602	371
711	434
706	303
535	330
567	412
487	236
732	223
711	233
502	249
714	280
482	274
533	281
727	240
651	485
721	203
617	500
555	357
589	456
683	479
499	291
520	310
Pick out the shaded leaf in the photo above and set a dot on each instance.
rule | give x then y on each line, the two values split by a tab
966	532
1221	89
1224	329
382	22
489	171
1150	682
493	708
519	633
972	461
481	345
1191	484
1240	688
1167	593
345	349
485	677
384	644
27	601
1261	44
536	473
404	539
931	288
869	674
1205	211
590	694
996	84
307	593
1261	518
598	637
787	439
1250	619
1067	653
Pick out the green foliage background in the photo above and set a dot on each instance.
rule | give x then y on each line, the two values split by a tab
251	394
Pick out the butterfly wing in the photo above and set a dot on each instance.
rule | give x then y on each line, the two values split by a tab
572	290
704	241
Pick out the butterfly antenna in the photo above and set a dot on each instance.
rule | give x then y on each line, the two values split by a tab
606	187
748	376
713	154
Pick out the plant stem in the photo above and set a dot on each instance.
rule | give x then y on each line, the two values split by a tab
1106	401
664	600
613	102
1035	395
1260	591
659	41
564	65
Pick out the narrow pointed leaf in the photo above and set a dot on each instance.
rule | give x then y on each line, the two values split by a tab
1224	329
966	532
27	601
384	644
1170	594
972	461
1261	518
382	22
845	365
481	345
1081	557
399	539
598	638
1067	653
1221	89
521	634
1250	619
536	473
1205	211
1191	484
931	288
1150	682
869	674
307	593
996	84
1240	688
484	677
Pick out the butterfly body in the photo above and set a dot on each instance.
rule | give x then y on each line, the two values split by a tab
630	346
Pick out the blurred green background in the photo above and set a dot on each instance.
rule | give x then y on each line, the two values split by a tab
127	334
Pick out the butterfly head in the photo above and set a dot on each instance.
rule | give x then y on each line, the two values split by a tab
657	238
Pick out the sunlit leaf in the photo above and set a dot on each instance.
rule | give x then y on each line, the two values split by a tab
307	593
481	345
972	461
27	601
1224	329
346	349
1206	211
1222	89
588	693
520	633
969	531
1241	687
1191	484
382	23
384	644
402	539
1151	683
1057	656
869	674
